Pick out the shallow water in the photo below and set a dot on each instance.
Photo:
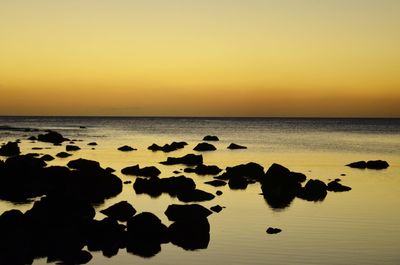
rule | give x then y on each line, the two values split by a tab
356	227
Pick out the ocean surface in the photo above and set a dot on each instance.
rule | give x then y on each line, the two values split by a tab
361	226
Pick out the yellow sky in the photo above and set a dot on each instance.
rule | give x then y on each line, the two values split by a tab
200	57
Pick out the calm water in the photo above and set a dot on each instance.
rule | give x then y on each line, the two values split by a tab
357	227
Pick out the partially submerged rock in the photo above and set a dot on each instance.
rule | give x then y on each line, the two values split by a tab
204	147
337	187
151	171
216	208
195	195
9	149
190	234
72	148
63	155
156	186
126	148
314	190
372	164
216	183
272	230
92	144
204	170
47	157
52	137
120	211
167	147
210	138
189	159
234	146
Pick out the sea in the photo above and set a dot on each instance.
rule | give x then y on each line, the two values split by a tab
361	226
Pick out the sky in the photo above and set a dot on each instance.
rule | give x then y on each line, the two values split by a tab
297	58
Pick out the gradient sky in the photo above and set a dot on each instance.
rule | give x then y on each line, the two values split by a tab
200	58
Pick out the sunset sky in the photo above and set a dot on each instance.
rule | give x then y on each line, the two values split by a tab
200	57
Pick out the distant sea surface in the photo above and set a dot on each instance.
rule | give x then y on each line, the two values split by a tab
361	226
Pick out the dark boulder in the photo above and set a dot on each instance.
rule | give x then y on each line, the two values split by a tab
359	164
190	234
9	149
280	186
72	148
63	155
32	138
177	212
126	148
204	170
84	165
92	144
238	182
216	208
37	148
189	159
337	187
234	146
52	137
195	195
109	170
216	183
314	190
167	147
210	138
145	234
372	164
272	230
151	171
156	186
218	193
251	171
47	158
204	147
120	211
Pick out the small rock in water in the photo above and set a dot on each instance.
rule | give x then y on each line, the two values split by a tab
92	143
63	155
337	187
47	158
120	211
52	137
372	164
72	148
210	138
189	159
151	171
216	183
216	208
126	148
272	230
204	147
128	182
233	146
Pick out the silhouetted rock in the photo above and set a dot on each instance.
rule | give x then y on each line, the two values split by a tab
52	137
190	234
280	186
32	138
177	212
155	186
189	159
9	149
337	187
204	170
63	155
127	182
238	182
272	230
92	143
145	234
47	158
126	148
167	147
216	183
84	165
372	164
110	170
210	138
218	192
251	171
106	235
314	190
37	148
144	172
216	208
120	211
204	147
234	146
194	196
72	148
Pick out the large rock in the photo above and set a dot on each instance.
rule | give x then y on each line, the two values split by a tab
52	137
372	164
151	171
9	149
120	211
204	170
145	234
189	159
156	186
176	212
280	186
204	147
167	147
314	190
190	234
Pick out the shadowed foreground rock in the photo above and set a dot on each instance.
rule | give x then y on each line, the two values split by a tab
167	147
190	234
120	211
372	164
151	171
52	137
9	149
189	159
204	147
280	186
